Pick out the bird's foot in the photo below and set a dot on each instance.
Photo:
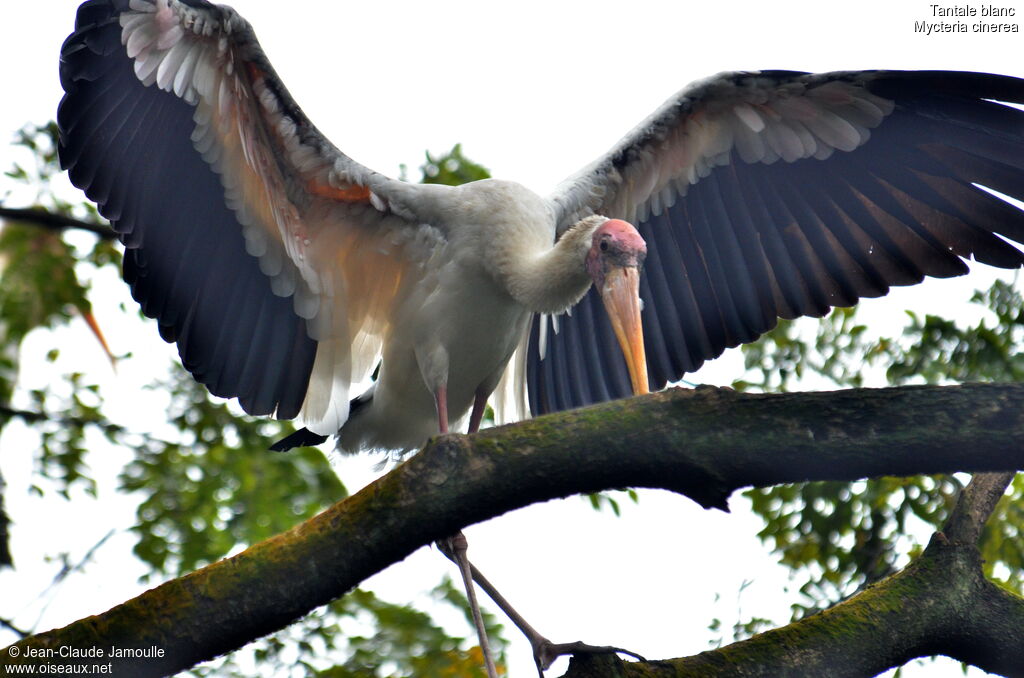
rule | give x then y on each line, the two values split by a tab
452	547
545	652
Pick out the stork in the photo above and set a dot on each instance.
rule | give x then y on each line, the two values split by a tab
286	272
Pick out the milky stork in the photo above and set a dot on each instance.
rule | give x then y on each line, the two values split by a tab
286	272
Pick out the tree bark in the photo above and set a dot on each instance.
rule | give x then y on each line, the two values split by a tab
704	443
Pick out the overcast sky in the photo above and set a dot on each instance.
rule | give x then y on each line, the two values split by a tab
534	90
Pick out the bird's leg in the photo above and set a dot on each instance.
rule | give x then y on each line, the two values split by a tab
544	651
441	401
479	404
454	548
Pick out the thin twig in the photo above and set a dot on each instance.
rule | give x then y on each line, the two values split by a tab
54	221
22	634
31	417
61	576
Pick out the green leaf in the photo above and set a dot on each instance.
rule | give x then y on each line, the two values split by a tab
452	168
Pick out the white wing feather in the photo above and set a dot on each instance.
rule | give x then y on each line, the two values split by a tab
762	119
323	227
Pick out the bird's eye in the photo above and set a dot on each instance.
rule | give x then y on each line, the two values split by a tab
604	245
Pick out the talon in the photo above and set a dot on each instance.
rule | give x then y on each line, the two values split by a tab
544	655
545	652
453	547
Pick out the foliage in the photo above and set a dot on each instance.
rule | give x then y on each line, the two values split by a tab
601	500
452	168
39	284
740	628
248	499
411	642
379	640
40	288
843	536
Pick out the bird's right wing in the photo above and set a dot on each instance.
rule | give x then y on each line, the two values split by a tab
781	194
271	258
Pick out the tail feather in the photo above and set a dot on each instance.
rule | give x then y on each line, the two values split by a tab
301	438
306	438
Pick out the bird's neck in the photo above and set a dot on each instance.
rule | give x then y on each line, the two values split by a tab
552	279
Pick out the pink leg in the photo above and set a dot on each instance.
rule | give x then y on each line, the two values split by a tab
454	547
479	404
441	401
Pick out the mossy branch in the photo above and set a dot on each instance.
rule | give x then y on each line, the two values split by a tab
704	443
940	604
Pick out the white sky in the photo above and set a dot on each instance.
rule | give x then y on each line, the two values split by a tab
537	90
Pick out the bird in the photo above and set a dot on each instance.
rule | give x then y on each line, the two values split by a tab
288	273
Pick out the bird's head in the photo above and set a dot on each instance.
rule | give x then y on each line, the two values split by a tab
614	261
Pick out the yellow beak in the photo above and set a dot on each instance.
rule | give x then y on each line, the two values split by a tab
621	296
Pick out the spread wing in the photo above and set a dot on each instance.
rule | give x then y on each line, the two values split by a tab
782	194
272	259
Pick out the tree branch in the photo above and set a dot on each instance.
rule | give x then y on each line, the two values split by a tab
974	505
108	427
7	412
54	221
704	443
939	604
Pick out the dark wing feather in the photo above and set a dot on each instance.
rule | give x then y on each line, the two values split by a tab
248	236
112	129
784	194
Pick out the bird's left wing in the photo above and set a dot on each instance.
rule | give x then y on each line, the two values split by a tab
271	258
782	194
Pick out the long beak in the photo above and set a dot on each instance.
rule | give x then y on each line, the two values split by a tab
621	296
